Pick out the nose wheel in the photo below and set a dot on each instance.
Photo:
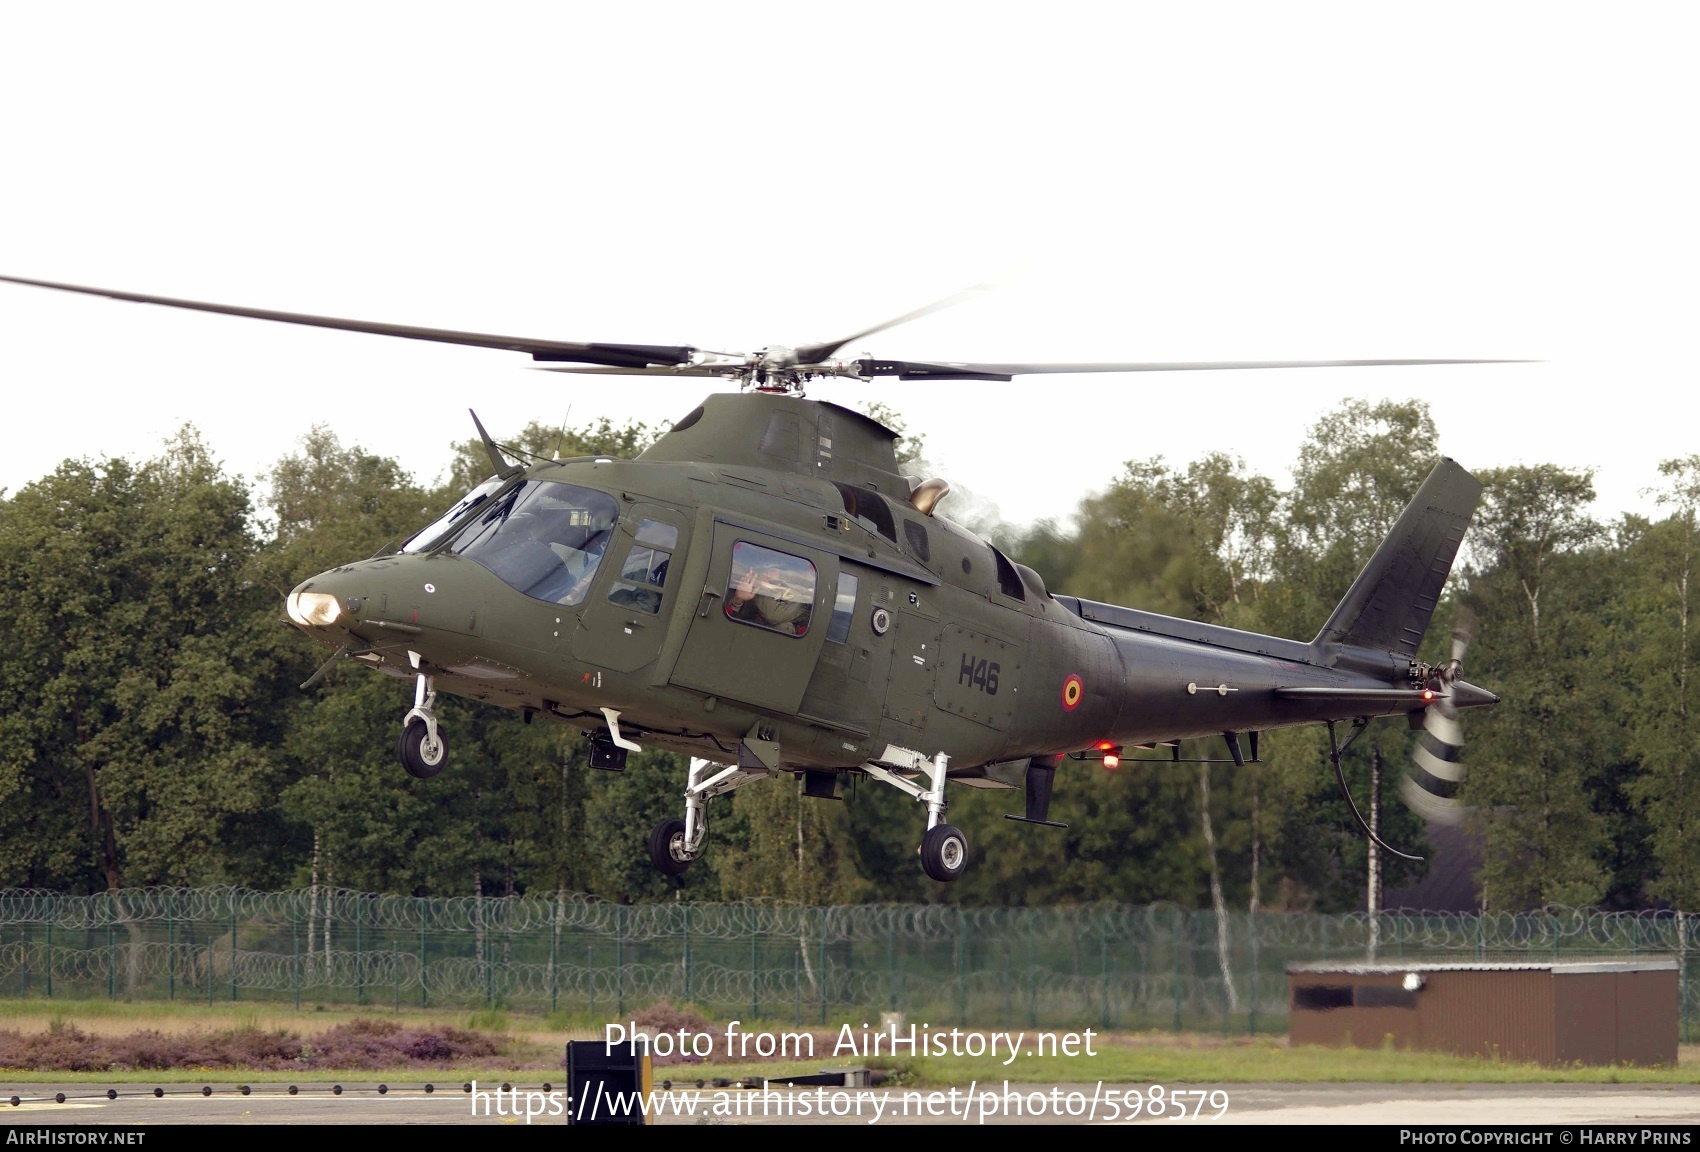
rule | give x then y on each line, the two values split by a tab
422	753
424	749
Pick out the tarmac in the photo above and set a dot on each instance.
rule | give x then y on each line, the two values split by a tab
1481	1106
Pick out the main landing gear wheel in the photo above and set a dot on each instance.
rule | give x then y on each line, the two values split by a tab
944	852
667	848
422	756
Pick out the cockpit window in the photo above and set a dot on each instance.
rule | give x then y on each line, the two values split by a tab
433	534
544	539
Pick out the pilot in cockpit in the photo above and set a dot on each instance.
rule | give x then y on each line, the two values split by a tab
581	564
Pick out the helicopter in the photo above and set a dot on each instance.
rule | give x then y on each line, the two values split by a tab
763	592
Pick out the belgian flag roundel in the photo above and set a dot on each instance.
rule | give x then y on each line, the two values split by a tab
1072	691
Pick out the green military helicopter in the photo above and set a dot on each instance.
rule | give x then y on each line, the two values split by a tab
763	592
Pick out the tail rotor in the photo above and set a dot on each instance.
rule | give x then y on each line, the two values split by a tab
1436	773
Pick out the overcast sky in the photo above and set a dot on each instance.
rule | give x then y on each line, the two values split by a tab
1157	182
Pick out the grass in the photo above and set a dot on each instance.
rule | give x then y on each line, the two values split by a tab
1170	1059
112	1018
530	1048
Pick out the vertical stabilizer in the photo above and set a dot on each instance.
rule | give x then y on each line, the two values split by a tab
1390	603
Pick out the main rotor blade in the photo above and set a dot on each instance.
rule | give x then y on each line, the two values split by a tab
924	370
652	370
816	353
620	355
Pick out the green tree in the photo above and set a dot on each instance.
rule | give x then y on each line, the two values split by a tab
1357	469
1541	590
1048	548
1132	836
329	504
784	845
910	449
1136	546
1233	517
357	819
1530	516
134	734
1666	710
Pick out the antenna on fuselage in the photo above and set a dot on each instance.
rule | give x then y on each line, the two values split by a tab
497	460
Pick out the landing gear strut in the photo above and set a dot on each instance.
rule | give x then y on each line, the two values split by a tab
675	844
944	849
424	749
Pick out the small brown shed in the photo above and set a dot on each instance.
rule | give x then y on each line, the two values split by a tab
1560	1012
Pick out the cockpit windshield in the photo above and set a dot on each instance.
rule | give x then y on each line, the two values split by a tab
433	534
543	538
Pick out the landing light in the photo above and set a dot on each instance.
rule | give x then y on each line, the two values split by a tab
313	608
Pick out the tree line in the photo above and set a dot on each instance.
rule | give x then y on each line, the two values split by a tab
152	728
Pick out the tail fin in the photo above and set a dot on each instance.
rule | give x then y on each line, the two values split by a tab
1389	605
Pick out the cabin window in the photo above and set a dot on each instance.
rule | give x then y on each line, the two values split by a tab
843	610
644	574
769	589
1009	580
543	539
869	508
916	535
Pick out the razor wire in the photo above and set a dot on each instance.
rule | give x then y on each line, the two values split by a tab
1554	926
1121	965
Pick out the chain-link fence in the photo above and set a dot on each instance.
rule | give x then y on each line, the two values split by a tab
1109	966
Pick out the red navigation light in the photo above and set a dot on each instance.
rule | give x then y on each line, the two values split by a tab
1428	693
1105	746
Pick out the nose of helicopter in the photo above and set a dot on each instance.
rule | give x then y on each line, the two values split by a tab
389	597
316	603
